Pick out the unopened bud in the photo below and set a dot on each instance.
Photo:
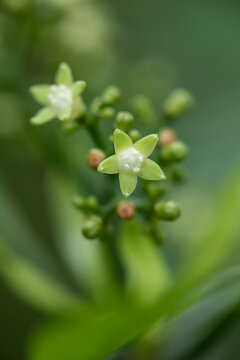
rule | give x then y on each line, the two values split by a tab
88	205
125	210
174	152
166	137
134	135
124	121
168	210
155	190
94	158
92	227
143	108
107	112
111	95
178	103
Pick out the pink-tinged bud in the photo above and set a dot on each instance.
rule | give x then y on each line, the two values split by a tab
167	136
125	210
94	158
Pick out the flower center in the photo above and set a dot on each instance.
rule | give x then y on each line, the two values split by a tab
130	161
60	97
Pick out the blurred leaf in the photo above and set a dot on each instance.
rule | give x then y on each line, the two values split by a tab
147	274
31	284
89	260
220	239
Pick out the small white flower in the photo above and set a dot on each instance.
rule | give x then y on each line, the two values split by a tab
131	161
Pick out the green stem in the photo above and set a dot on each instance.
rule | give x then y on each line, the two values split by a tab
94	132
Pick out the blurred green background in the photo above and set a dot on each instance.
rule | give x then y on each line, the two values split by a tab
143	47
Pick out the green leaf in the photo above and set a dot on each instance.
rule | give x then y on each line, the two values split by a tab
121	141
40	93
64	75
43	116
146	145
32	284
220	238
128	183
146	272
89	261
78	88
109	165
151	171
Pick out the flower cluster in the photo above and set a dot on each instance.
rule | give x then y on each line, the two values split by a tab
129	157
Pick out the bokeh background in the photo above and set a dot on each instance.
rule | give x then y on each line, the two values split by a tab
143	47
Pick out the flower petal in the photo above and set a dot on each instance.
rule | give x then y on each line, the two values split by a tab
109	165
40	93
146	145
65	113
151	170
64	75
121	141
78	87
44	115
128	183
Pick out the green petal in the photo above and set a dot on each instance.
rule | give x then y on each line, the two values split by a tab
151	171
78	88
128	183
121	141
146	145
40	93
44	115
65	113
109	165
64	75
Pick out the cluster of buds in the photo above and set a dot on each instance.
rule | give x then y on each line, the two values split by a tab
124	152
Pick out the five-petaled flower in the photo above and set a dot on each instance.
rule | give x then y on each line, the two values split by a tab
131	161
61	99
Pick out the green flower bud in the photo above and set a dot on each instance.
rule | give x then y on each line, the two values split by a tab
178	103
168	210
88	205
107	112
143	108
111	95
92	227
155	190
174	152
134	135
158	235
124	121
69	126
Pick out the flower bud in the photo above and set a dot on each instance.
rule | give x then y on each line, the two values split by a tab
94	158
124	121
107	112
125	210
166	137
168	210
142	107
111	95
155	190
178	103
92	227
134	135
88	205
174	152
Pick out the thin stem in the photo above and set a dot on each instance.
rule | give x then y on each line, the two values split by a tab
94	132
